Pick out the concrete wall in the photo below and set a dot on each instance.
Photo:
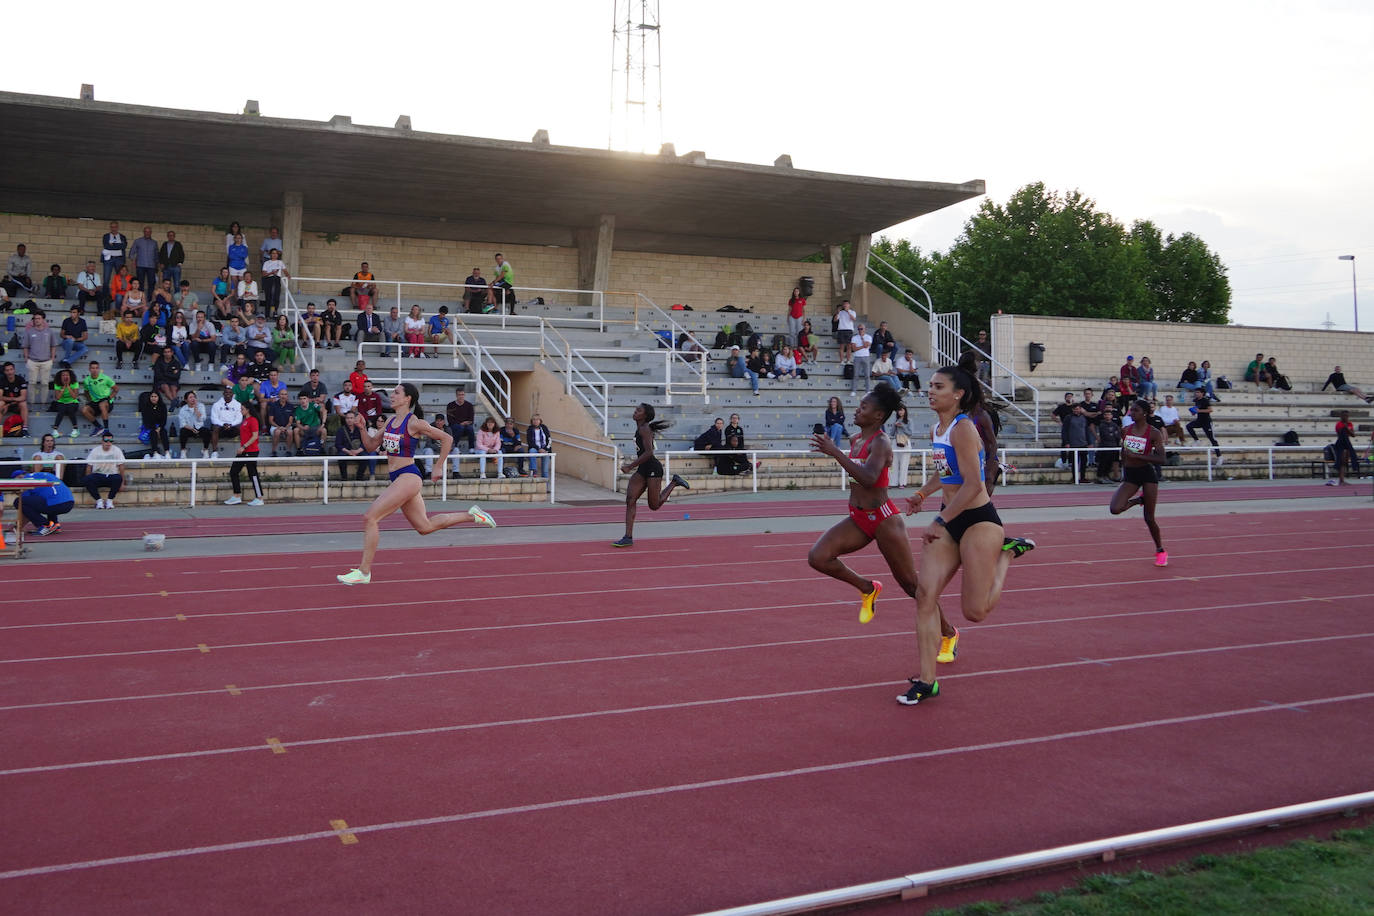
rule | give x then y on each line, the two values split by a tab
1092	348
541	392
706	284
908	328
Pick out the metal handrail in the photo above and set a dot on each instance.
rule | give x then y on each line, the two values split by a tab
493	385
599	295
952	358
296	319
694	367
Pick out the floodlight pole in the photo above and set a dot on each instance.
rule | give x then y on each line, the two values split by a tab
1354	289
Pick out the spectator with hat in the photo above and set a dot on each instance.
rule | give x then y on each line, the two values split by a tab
738	367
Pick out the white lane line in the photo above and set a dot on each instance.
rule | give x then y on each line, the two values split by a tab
659	707
658	791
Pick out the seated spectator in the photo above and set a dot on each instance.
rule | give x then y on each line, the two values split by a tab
187	302
441	331
429	448
226	416
104	470
488	443
193	423
738	367
834	421
730	465
164	296
120	283
306	423
1337	380
461	418
66	400
312	325
415	333
279	414
246	393
1109	442
349	443
785	365
883	370
89	287
331	321
42	507
237	369
167	371
758	364
271	389
1195	378
47	459
884	344
907	373
475	292
204	343
1173	424
693	351
54	284
344	403
734	429
1276	378
501	291
369	325
364	284
100	391
1258	372
128	339
540	442
74	336
511	445
357	378
806	342
152	411
394	326
284	343
1145	379
259	335
712	438
247	297
17	272
14	397
315	390
259	366
224	297
1129	373
179	338
370	404
134	300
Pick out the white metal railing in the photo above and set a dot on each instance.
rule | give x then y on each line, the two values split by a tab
942	339
492	382
305	337
1213	461
598	297
695	374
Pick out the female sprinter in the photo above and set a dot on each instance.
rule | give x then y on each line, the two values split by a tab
1142	454
872	515
967	532
646	472
397	440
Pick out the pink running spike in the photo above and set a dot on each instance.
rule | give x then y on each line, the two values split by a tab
1162	558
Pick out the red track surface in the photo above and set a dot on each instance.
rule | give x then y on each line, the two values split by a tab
566	728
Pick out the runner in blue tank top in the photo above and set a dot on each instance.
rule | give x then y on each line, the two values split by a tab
966	533
404	492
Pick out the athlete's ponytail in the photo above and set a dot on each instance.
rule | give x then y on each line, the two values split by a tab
657	426
414	394
971	398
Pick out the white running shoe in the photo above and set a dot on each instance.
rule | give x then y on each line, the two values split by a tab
233	501
255	502
481	517
355	577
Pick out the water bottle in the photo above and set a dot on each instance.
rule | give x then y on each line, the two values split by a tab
9	324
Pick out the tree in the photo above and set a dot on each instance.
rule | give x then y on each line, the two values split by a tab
1184	279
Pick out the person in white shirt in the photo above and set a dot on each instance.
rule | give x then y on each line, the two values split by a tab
104	468
785	364
248	293
1168	414
860	344
845	318
273	273
88	287
273	242
884	371
906	370
226	416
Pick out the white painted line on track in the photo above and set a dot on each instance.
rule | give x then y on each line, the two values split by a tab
657	791
685	704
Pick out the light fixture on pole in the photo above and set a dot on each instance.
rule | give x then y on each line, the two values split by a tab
1354	289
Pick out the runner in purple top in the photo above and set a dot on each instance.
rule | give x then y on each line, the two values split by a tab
405	490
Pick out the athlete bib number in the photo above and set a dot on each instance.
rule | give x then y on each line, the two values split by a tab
942	468
1136	445
391	443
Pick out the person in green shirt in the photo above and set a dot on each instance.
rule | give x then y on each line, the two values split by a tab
305	424
1258	372
100	392
246	393
66	400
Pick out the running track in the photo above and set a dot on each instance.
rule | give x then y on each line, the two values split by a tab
566	728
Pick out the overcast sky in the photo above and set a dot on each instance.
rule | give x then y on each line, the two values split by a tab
1247	123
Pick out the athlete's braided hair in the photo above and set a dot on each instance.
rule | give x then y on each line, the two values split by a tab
887	398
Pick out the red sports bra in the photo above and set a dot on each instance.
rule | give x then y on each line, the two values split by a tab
863	454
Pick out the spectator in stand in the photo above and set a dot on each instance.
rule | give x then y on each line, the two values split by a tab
66	400
1344	450
884	344
223	297
258	335
1204	375
273	273
1061	414
260	367
845	318
246	393
907	372
344	403
100	392
17	272
1202	411
14	396
332	321
134	299
170	256
796	311
179	338
232	342
370	403
1129	373
271	247
501	292
364	284
475	292
1256	371
230	237
128	339
441	331
734	429
785	366
1076	433
40	343
901	431
316	392
738	367
349	443
271	389
152	412
164	297
860	346
226	416
42	506
540	442
104	470
247	296
461	423
54	284
312	325
113	247
415	333
1337	380
1145	379
118	291
167	371
488	443
307	422
246	459
759	366
238	369
731	464
89	288
1173	425
143	252
193	423
1276	378
984	349
357	378
369	324
394	326
692	349
1092	412
47	459
204	343
712	438
884	371
284	344
806	342
1109	445
512	444
834	421
238	258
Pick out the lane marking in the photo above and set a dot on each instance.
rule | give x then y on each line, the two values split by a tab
657	707
671	789
346	837
275	745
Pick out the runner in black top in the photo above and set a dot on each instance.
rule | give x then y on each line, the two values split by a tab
1142	454
646	472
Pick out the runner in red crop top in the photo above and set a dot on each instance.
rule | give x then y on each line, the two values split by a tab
872	515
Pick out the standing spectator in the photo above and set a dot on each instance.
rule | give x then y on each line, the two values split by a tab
1145	380
461	422
1202	410
246	459
364	284
231	237
66	400
415	332
128	339
540	442
349	443
796	311
152	412
273	273
488	443
272	246
226	416
1109	445
1337	380
170	257
1061	414
1168	415
1076	432
1344	450
143	252
14	396
223	296
884	371
238	258
441	330
113	246
90	288
901	432
738	367
907	372
834	421
167	376
306	423
17	272
54	284
1256	371
475	292
41	506
41	343
511	444
332	322
984	349
806	342
104	470
860	345
100	392
1092	412
204	343
884	344
193	423
845	318
501	293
